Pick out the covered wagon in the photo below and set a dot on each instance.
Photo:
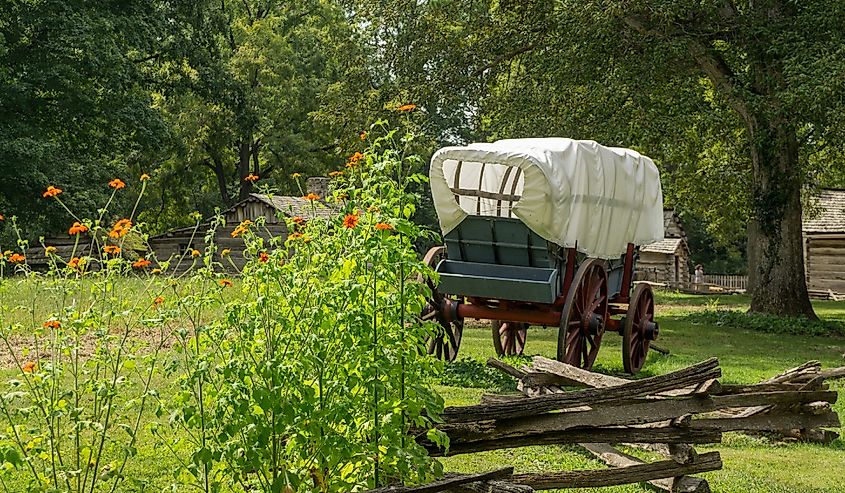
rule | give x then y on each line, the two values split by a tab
544	232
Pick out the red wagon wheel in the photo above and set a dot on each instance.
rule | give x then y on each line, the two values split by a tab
444	342
584	316
639	329
509	337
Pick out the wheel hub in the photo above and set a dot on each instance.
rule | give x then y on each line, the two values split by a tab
593	324
651	330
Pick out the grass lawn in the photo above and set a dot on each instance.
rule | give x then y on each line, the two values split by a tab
750	464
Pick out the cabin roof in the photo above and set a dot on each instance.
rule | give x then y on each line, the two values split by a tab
292	206
666	245
827	214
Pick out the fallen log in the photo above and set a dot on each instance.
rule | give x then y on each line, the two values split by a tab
695	374
622	475
616	458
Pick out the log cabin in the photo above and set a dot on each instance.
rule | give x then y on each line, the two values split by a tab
823	232
666	261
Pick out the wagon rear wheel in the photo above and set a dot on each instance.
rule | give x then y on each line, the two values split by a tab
639	329
445	340
584	316
509	337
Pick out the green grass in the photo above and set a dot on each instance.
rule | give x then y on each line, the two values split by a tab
754	465
746	356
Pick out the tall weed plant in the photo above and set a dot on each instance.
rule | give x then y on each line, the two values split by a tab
314	380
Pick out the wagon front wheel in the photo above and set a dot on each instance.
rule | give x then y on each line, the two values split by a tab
445	340
509	337
584	316
639	329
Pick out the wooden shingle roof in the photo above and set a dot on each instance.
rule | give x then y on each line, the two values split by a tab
667	245
295	206
827	214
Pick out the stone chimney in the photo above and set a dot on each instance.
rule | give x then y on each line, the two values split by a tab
318	185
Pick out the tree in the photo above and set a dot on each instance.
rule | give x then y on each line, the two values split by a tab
242	92
74	108
748	96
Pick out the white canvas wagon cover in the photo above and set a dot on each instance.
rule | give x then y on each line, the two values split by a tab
575	193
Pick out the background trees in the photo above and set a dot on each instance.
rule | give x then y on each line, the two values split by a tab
739	102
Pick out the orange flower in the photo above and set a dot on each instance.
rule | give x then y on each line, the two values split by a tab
295	236
298	220
242	228
77	228
252	178
16	258
335	174
350	221
226	283
29	367
263	257
52	324
49	250
75	263
51	192
407	107
195	253
145	177
117	184
363	135
354	159
312	197
120	228
111	249
158	301
2	217
383	227
141	263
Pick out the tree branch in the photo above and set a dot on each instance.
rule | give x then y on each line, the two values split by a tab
503	58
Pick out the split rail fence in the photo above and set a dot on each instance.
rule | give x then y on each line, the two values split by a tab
667	414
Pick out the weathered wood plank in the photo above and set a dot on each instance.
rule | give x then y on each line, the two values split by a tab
621	475
768	422
505	368
572	375
448	482
624	413
695	374
616	458
579	435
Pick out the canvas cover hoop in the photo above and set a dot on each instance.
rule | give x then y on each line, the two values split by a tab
574	193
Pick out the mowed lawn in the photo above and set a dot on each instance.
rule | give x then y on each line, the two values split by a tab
750	464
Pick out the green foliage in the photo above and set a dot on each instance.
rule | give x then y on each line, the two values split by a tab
471	373
767	323
74	108
84	365
313	380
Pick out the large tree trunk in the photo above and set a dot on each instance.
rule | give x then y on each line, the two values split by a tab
775	250
244	156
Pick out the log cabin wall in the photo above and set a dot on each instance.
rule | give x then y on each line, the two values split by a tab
824	242
824	259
